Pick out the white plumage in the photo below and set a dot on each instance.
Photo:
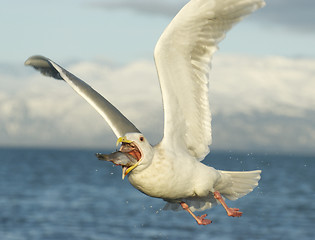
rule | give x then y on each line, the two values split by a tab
172	169
183	56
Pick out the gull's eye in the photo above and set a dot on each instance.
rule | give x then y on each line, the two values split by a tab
141	139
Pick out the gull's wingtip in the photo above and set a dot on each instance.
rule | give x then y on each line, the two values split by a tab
37	61
44	65
261	4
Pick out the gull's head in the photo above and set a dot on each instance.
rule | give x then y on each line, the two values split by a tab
138	146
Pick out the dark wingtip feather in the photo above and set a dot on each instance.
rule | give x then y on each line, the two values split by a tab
43	65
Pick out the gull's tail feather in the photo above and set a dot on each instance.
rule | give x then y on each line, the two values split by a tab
235	185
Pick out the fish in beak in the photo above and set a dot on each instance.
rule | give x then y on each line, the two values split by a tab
127	157
129	147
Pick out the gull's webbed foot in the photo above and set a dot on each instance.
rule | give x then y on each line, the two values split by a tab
231	212
200	220
234	212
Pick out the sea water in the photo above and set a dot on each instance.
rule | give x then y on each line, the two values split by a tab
69	194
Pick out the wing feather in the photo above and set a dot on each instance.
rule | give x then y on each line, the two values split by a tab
116	120
182	56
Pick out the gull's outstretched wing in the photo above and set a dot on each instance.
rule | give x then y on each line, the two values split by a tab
116	120
182	57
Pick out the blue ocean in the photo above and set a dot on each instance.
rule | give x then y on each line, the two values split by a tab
68	194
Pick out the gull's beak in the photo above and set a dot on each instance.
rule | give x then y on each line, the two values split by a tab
122	140
125	170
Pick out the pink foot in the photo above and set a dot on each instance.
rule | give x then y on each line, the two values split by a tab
202	221
231	212
234	212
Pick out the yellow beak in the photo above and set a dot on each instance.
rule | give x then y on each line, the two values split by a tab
122	140
128	170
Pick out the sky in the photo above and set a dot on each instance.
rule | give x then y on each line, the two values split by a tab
262	83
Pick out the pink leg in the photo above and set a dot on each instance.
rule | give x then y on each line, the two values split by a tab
200	220
232	212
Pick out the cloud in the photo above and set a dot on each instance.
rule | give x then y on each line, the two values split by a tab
291	14
265	104
277	85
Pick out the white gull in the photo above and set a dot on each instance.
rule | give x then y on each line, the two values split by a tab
172	170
